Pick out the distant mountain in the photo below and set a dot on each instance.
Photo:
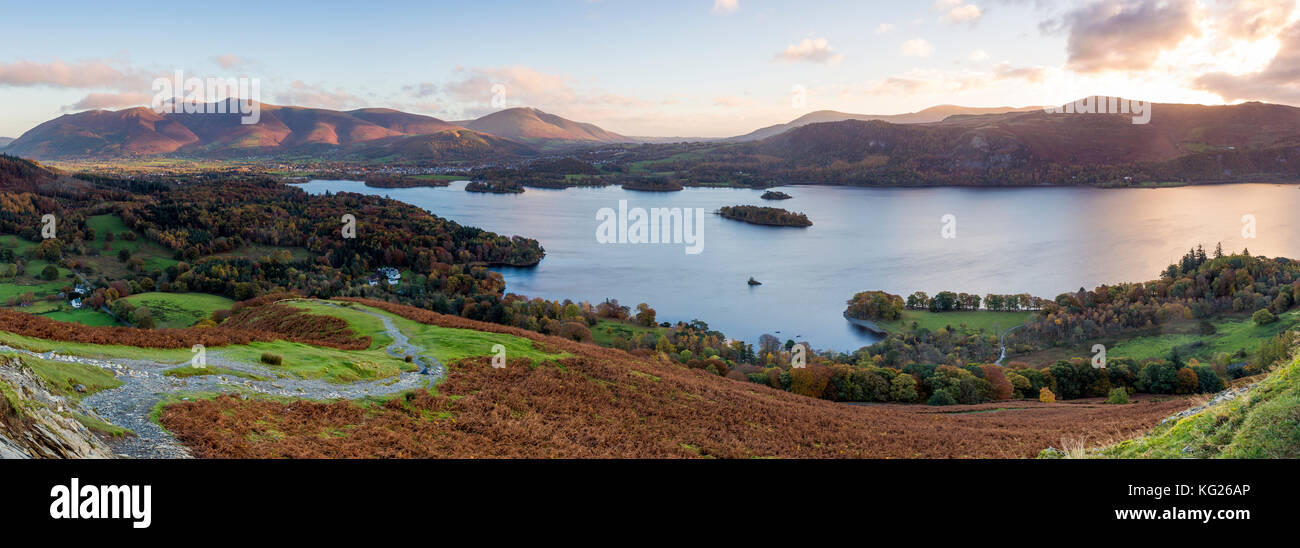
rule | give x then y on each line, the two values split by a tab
1250	141
932	114
292	130
453	145
140	131
4	141
530	125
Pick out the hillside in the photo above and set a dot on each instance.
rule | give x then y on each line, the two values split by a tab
532	125
1258	422
138	132
932	114
1181	143
450	145
605	403
4	141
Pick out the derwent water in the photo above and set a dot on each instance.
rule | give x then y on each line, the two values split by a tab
1043	241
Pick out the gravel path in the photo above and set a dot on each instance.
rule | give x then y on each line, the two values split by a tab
144	384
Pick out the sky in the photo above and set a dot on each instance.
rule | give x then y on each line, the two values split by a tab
687	68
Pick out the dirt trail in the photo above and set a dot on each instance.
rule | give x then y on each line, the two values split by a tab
144	385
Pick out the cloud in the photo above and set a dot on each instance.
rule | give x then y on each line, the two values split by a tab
81	75
472	96
1252	19
1125	35
957	11
811	50
731	101
308	95
522	86
422	89
229	61
1278	82
884	28
917	47
1004	71
979	55
725	6
95	101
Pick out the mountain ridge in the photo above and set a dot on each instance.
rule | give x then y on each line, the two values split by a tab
528	124
935	113
139	131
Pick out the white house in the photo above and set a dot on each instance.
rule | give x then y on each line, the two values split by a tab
392	274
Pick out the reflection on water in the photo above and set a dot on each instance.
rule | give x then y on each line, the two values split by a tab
1043	241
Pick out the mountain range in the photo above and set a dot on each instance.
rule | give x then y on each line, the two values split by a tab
367	134
939	145
4	141
371	133
932	114
1180	143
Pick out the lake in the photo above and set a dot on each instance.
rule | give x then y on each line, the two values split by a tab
1043	241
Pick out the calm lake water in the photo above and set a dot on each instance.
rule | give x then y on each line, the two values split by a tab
1043	241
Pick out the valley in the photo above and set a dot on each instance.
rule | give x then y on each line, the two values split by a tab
304	353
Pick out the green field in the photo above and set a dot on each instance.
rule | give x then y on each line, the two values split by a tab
1231	335
315	362
63	377
605	331
191	371
153	255
967	321
179	309
30	281
19	245
83	316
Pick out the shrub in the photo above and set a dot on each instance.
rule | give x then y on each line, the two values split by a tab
50	272
577	331
1157	377
1210	381
1003	389
1263	317
1118	396
1186	381
1022	386
1069	383
903	389
1046	396
941	397
271	359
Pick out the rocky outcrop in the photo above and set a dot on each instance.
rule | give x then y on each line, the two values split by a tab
37	423
1224	396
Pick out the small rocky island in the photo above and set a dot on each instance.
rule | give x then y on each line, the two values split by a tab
768	216
494	187
775	195
752	281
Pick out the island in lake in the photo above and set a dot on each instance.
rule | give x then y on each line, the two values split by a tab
398	181
769	216
775	195
494	187
653	184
